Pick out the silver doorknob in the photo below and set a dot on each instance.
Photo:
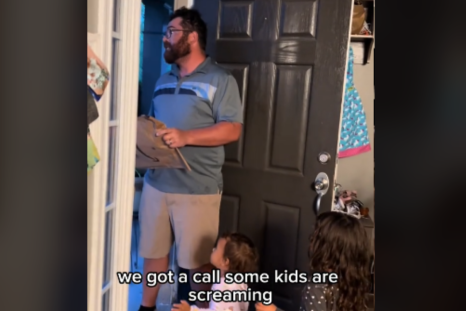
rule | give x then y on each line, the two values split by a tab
321	186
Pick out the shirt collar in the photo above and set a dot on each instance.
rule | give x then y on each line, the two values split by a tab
202	68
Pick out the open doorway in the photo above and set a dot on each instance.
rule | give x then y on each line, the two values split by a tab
154	21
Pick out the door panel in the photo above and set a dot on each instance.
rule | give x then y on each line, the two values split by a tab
289	59
234	152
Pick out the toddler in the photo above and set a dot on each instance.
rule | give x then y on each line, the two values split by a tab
234	253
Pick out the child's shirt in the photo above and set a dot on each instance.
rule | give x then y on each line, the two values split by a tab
313	298
224	305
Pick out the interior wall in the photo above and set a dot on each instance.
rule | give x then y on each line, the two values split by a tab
357	172
92	15
181	3
156	16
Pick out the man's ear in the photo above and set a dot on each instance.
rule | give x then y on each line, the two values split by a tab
193	37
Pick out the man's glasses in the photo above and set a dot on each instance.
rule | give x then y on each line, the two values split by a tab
170	32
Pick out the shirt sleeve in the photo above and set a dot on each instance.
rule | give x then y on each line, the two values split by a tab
227	102
151	112
224	305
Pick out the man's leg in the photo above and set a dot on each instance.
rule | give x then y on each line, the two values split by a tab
149	294
195	223
155	240
201	286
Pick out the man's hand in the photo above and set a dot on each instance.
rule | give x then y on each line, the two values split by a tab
262	307
174	138
183	306
219	134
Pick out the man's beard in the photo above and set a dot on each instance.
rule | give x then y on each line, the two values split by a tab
176	51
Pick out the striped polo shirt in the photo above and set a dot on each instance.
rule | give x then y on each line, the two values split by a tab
201	99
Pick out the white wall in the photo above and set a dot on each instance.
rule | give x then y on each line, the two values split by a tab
92	15
357	172
181	3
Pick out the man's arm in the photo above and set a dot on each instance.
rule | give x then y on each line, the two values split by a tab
217	135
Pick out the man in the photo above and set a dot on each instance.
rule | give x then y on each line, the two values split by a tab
200	104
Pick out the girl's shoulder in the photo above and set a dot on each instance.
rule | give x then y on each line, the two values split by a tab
314	290
314	297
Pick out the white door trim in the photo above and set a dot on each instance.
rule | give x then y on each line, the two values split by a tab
181	3
131	28
341	111
101	42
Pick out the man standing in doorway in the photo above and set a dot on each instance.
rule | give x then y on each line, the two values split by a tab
200	103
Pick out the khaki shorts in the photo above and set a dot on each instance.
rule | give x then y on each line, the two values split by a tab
191	221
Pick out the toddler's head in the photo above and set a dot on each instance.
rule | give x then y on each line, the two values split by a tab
235	253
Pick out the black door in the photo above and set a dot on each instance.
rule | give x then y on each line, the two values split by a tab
289	58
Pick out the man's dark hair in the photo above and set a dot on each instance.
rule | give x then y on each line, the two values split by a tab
191	20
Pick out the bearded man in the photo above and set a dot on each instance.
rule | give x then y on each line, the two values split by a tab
200	103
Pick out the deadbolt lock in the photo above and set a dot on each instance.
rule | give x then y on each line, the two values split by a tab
324	157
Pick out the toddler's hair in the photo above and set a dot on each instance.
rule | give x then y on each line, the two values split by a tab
241	253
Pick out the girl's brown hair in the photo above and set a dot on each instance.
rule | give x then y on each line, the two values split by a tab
340	244
241	253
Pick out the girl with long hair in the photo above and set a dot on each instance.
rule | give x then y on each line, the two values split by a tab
338	245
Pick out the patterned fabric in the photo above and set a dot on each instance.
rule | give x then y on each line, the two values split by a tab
313	298
354	138
97	81
93	156
92	111
97	74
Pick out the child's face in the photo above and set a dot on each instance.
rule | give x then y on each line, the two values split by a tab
216	258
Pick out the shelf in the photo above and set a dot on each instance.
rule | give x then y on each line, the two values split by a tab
362	37
365	43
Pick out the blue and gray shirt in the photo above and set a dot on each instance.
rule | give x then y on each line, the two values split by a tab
201	99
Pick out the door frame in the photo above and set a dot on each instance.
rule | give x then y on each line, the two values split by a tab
345	80
181	3
130	16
